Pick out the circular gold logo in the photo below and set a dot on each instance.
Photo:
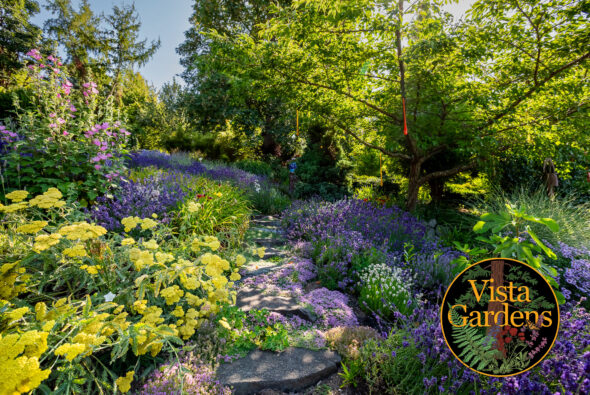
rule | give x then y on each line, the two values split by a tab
500	317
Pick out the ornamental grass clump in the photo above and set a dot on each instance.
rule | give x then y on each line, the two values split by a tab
385	291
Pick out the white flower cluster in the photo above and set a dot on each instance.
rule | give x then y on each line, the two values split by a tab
389	286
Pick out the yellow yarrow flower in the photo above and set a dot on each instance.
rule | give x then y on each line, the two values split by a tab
240	260
127	241
172	294
17	196
82	231
12	208
77	250
43	242
124	383
218	194
148	223
164	257
261	251
130	223
32	227
91	269
151	245
235	277
70	350
41	311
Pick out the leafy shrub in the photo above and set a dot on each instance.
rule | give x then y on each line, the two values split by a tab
257	167
69	140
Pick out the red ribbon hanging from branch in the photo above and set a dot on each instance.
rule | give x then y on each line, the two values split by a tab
405	124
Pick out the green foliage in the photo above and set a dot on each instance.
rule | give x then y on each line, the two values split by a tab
471	88
477	348
572	217
245	331
257	167
17	36
65	141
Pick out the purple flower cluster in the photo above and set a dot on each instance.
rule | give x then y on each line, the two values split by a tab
188	376
153	195
145	158
385	228
331	307
240	178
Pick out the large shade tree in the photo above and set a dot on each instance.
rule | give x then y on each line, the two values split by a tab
512	71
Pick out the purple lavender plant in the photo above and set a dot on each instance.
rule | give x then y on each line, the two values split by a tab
187	376
153	195
178	162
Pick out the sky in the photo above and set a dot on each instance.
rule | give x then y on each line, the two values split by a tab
163	19
168	20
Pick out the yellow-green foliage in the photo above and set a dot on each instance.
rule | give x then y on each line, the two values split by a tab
74	298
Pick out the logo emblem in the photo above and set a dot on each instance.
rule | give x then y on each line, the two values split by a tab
500	317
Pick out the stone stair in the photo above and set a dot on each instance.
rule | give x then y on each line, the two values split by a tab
294	369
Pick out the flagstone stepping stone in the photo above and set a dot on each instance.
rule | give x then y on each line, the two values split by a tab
269	242
257	268
273	252
250	298
291	370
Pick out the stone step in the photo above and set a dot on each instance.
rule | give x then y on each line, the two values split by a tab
273	252
257	268
291	370
250	298
268	242
267	230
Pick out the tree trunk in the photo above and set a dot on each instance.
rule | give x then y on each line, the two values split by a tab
495	330
413	185
436	188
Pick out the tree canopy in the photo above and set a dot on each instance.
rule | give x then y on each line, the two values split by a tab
471	88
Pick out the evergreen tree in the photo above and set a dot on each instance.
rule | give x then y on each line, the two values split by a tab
17	35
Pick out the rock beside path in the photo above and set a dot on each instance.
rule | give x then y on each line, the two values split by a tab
291	370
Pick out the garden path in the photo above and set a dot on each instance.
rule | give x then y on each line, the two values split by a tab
294	369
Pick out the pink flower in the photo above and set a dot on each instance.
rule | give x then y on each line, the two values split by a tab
41	65
104	126
53	125
96	142
97	167
34	53
51	58
61	121
73	109
52	115
65	133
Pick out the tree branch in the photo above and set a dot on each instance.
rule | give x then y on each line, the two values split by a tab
532	90
445	173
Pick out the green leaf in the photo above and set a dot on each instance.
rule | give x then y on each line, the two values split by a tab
550	223
546	250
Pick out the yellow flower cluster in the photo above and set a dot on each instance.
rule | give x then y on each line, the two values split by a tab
131	222
75	251
49	199
20	371
70	350
124	383
91	269
17	196
194	207
11	208
43	242
208	241
260	252
32	227
10	273
82	231
151	245
141	258
172	294
127	241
